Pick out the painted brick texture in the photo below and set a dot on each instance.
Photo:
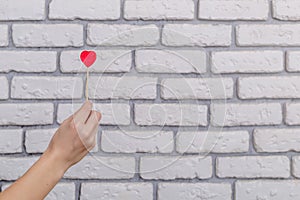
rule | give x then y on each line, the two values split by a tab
199	98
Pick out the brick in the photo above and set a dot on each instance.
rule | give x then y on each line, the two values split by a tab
277	140
122	35
292	61
91	10
174	167
195	88
247	61
4	87
61	191
3	35
137	141
37	140
235	114
292	114
296	166
234	9
253	167
116	191
268	35
170	114
268	189
107	61
286	10
13	168
212	141
46	87
27	61
112	114
96	167
47	35
202	35
124	87
165	61
159	10
269	87
22	10
11	140
186	191
26	113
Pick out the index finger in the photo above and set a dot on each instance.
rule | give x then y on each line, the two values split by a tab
83	113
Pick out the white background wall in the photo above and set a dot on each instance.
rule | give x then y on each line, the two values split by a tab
169	75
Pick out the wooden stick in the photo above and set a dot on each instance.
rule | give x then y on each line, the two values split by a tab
87	85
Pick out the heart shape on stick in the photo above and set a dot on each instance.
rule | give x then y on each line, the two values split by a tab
88	58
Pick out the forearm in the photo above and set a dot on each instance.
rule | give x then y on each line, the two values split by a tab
38	181
68	146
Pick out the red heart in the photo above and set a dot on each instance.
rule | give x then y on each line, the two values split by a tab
88	57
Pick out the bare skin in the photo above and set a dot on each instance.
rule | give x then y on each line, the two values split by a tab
71	142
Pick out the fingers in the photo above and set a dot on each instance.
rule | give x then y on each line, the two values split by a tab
83	113
93	121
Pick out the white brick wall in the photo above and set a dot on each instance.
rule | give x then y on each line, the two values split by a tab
286	10
22	10
131	142
155	10
253	167
91	10
292	113
267	189
296	166
46	87
233	9
47	35
269	87
268	35
28	61
3	35
166	61
174	167
199	98
247	61
4	87
97	167
213	141
246	114
114	191
125	87
170	114
13	168
195	88
62	191
11	140
276	140
196	35
125	35
36	141
292	58
180	191
26	113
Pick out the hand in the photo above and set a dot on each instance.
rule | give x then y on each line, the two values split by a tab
76	136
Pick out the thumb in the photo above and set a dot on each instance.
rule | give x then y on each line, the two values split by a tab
98	115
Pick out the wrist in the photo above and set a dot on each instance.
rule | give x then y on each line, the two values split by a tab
55	160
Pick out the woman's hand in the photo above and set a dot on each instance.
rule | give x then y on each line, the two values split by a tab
76	136
71	142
